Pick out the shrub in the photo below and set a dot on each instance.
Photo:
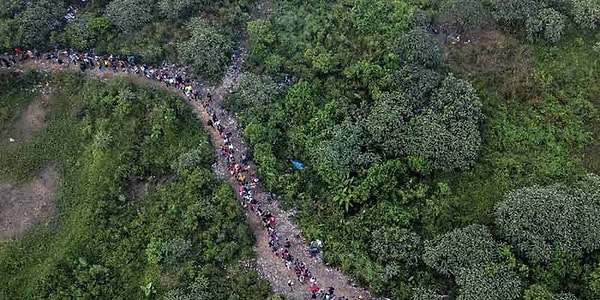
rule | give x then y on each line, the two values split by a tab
463	14
128	15
472	247
515	11
207	51
587	13
538	221
549	23
421	47
35	24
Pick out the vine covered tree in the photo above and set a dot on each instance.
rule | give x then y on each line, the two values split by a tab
515	11
472	247
492	283
464	15
180	9
387	123
548	24
343	152
538	221
447	132
36	22
254	96
129	15
207	51
587	13
419	46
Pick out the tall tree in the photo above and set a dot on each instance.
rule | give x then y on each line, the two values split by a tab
541	220
129	15
419	46
207	51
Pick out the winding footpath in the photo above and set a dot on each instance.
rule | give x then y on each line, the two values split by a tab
266	263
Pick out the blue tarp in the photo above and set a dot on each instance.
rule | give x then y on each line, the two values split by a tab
298	165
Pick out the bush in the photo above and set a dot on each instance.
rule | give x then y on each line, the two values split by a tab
540	221
447	133
35	24
493	283
515	11
587	13
463	14
207	51
549	23
472	247
83	32
178	9
421	47
128	15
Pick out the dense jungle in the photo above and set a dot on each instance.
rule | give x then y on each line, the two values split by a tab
449	149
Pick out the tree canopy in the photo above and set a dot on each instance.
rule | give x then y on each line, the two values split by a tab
207	51
541	220
128	15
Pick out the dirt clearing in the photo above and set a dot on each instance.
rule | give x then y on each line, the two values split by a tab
24	205
33	118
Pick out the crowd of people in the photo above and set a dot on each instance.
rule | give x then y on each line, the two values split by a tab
247	181
170	75
239	169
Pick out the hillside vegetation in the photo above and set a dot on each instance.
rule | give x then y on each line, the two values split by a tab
181	239
450	146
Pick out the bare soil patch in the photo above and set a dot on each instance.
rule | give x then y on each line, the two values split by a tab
26	204
34	117
139	187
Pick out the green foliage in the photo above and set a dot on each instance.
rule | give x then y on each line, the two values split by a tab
416	82
128	15
549	24
443	130
494	283
464	15
193	159
539	221
393	245
472	247
586	13
420	47
563	296
448	132
84	31
197	290
207	51
515	11
176	252
471	255
36	22
179	9
262	39
340	154
254	97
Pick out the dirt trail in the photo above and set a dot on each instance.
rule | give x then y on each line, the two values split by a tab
267	264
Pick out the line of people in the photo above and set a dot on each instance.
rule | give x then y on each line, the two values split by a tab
177	77
247	181
170	75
